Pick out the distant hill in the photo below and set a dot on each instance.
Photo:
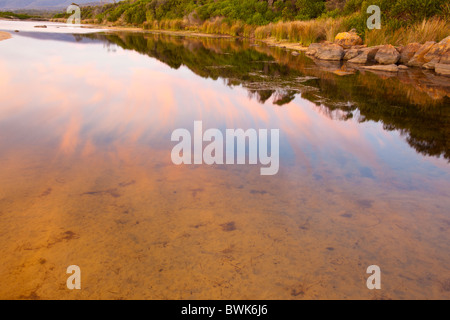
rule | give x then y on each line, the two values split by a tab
43	4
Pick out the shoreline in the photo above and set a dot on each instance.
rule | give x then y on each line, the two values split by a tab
4	35
269	41
356	50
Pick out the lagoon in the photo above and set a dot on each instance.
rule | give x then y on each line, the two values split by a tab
87	177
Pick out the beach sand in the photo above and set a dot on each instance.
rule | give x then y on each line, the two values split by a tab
4	35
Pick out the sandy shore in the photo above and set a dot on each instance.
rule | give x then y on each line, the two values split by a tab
4	35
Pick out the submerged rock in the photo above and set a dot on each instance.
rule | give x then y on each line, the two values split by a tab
388	68
387	55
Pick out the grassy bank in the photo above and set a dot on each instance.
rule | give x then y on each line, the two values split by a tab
15	15
300	21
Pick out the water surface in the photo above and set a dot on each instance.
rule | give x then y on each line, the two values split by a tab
87	179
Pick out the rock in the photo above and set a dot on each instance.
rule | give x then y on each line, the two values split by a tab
352	53
367	55
44	26
387	55
445	59
417	60
295	53
431	65
313	48
442	69
332	52
437	50
348	39
402	67
388	68
408	52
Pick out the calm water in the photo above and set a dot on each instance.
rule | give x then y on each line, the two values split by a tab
86	175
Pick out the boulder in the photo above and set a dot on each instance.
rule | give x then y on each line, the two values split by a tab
437	50
313	48
433	55
402	67
418	59
387	55
332	52
445	58
352	53
367	55
443	66
388	68
348	39
442	69
431	65
408	52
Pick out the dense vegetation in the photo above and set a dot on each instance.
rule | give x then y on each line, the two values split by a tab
241	18
15	15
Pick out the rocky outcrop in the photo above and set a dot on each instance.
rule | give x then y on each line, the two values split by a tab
313	49
387	68
443	69
418	59
348	39
352	53
430	55
443	66
408	51
437	50
387	55
367	55
434	55
332	52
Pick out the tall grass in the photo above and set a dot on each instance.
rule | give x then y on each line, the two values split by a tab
304	32
307	32
434	29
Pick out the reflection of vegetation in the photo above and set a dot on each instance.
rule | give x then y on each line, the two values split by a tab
419	112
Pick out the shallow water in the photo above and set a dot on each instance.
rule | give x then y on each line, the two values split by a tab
87	178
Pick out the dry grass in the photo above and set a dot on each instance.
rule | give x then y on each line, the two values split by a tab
307	32
304	32
175	24
428	30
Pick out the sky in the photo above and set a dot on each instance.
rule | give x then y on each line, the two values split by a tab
35	4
